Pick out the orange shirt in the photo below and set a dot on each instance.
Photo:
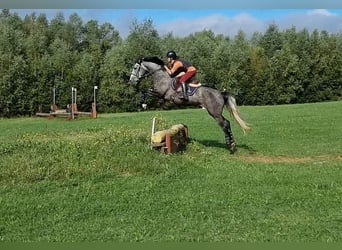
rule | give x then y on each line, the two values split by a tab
177	65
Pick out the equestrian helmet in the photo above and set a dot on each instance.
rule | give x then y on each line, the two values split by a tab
171	54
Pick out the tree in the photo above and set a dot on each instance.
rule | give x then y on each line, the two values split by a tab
13	66
143	40
221	60
283	83
198	48
72	34
36	45
84	75
109	37
271	40
115	95
62	64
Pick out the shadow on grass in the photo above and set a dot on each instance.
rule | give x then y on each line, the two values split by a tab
248	148
217	144
211	143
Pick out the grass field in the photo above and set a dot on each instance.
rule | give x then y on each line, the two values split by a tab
99	180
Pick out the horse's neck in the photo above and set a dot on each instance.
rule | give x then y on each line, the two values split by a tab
161	82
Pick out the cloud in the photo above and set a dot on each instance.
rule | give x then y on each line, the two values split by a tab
218	23
322	12
319	19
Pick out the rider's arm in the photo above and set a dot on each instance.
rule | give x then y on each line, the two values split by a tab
176	70
168	70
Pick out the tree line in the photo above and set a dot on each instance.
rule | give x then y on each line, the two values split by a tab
273	67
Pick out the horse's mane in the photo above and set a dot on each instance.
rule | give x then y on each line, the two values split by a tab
153	59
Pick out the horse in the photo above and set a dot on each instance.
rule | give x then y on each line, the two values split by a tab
209	98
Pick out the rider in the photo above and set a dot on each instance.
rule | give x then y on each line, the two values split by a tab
181	69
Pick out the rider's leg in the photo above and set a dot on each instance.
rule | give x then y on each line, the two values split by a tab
184	91
184	79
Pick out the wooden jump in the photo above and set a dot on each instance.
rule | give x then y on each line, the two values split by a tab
68	113
170	140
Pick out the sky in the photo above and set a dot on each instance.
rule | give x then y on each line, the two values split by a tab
182	22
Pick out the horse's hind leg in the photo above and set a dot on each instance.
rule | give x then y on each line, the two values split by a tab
216	113
228	135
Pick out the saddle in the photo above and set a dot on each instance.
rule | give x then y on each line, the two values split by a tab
191	89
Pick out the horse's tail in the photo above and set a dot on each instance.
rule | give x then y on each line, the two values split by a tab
233	109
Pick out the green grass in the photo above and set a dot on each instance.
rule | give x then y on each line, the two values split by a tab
99	180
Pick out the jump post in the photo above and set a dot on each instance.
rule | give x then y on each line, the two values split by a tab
170	140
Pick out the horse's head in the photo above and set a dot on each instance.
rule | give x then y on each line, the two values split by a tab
138	72
145	67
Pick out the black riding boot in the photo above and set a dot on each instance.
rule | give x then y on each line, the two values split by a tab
185	90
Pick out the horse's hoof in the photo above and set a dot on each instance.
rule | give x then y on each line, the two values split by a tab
232	147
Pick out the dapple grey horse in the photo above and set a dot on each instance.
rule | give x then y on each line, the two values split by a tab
209	98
